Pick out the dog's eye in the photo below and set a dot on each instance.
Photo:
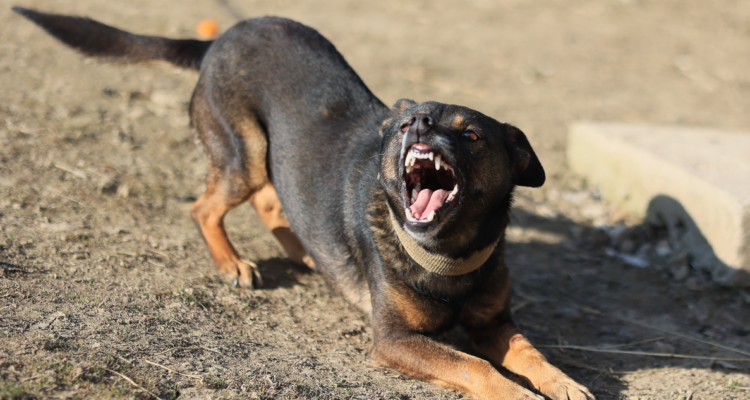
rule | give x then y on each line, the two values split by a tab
469	135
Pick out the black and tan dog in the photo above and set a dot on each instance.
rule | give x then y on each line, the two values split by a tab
403	210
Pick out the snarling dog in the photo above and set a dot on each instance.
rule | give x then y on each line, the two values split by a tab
403	210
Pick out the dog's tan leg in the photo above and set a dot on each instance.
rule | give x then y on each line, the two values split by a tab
208	214
504	345
420	357
397	320
267	203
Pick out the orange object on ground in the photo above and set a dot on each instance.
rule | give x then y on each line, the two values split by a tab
207	29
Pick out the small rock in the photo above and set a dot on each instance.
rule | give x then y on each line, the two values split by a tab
627	246
617	233
679	272
123	190
662	248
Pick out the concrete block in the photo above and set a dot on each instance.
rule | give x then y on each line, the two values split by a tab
696	179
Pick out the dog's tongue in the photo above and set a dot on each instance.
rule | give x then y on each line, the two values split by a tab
428	201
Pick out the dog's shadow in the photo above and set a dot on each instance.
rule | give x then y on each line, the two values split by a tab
280	272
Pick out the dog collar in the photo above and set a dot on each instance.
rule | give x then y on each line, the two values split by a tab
438	263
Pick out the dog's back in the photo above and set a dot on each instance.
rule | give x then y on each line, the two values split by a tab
273	95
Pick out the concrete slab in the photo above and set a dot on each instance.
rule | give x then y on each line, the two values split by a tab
707	172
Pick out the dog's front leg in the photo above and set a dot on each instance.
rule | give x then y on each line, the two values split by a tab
417	356
502	344
399	345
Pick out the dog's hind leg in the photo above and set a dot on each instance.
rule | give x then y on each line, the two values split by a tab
267	203
236	147
208	214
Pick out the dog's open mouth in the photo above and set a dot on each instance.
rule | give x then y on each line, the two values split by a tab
430	184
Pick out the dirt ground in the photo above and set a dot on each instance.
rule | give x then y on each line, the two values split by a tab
107	291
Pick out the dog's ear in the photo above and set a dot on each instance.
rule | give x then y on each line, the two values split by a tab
527	170
402	104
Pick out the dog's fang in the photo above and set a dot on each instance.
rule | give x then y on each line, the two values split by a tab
432	154
408	169
437	162
431	216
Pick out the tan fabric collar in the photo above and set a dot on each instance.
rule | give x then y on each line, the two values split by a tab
437	263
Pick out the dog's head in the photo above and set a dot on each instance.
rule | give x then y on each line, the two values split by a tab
449	171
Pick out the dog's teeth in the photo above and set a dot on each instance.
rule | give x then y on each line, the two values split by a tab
409	215
414	195
452	194
431	155
408	169
418	187
431	216
437	162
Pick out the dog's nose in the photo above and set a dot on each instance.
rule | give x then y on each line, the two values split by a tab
421	124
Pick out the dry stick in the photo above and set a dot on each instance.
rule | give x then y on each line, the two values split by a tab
597	312
156	263
71	170
171	370
188	348
639	342
641	353
682	335
133	383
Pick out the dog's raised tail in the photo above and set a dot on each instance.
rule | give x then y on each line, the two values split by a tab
95	39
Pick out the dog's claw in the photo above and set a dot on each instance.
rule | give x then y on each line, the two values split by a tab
243	274
566	389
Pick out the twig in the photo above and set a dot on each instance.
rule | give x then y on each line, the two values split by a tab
212	350
68	198
520	305
123	358
682	335
155	263
133	383
171	370
188	348
159	253
640	353
230	9
638	342
71	170
593	311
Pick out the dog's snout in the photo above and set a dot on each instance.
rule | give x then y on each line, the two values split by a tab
422	123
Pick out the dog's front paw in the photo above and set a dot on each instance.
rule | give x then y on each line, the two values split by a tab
559	386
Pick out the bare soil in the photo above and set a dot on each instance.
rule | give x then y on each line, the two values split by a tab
106	290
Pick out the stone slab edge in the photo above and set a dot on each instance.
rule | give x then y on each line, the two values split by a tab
631	176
